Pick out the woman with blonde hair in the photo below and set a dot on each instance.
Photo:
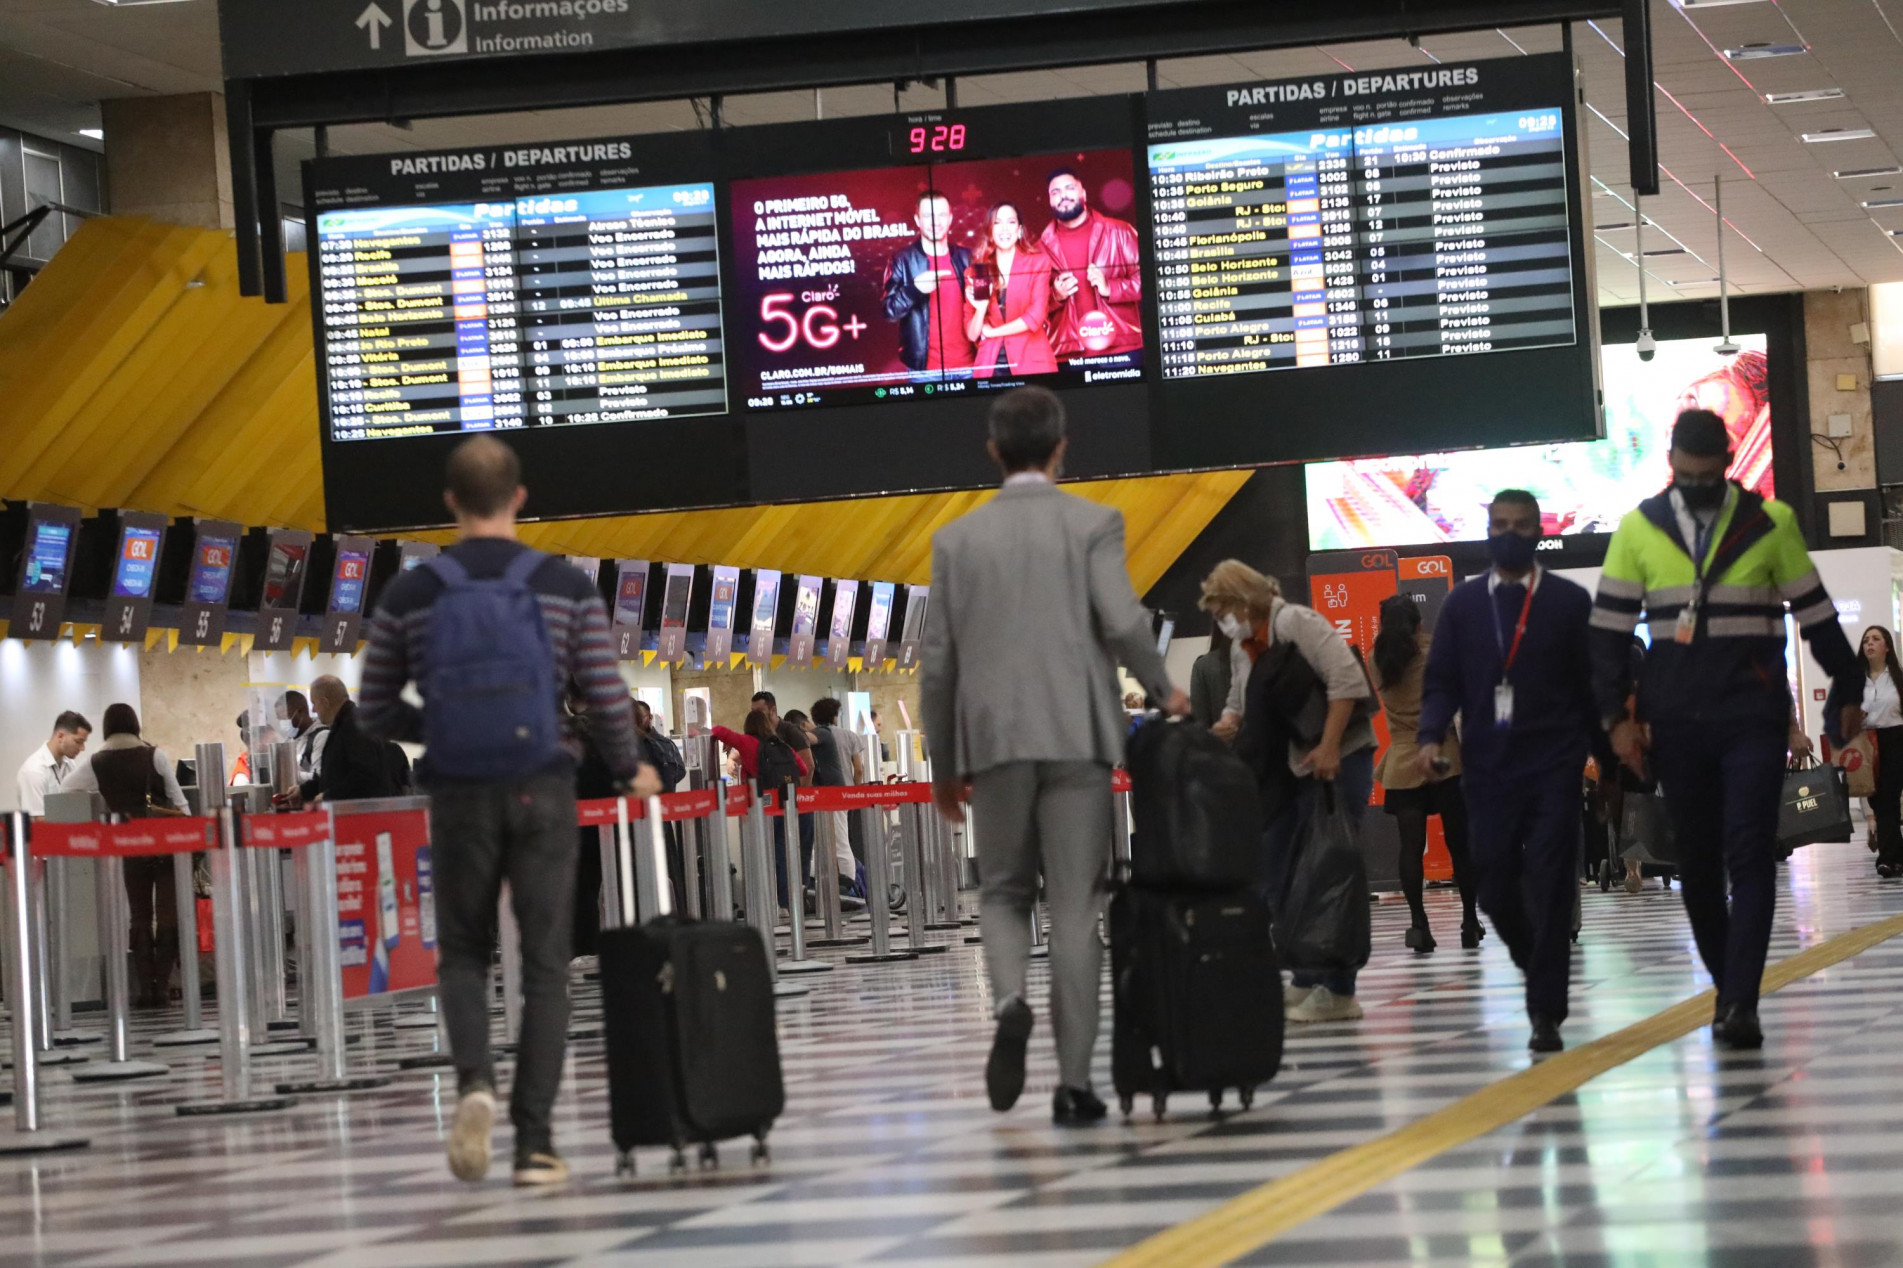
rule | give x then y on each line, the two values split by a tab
1294	745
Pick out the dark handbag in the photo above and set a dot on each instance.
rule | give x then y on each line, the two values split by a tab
1814	805
1645	830
1195	815
1324	924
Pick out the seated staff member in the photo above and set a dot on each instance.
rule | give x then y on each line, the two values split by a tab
1510	657
137	780
51	762
1008	297
1711	566
1878	710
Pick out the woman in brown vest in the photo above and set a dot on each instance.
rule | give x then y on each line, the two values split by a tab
137	780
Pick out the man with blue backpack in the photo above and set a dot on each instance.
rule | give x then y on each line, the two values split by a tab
492	633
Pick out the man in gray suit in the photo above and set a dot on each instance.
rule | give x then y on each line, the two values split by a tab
1031	612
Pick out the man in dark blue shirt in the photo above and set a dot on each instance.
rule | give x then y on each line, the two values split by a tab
1510	657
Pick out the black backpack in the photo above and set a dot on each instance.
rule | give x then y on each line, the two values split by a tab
777	765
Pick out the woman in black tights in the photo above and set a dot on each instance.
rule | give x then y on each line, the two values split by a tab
1400	659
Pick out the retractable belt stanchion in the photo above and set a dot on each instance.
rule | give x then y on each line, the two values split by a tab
796	884
52	877
940	869
59	987
26	1138
109	895
719	870
311	837
268	868
757	848
912	831
227	907
185	894
879	898
826	884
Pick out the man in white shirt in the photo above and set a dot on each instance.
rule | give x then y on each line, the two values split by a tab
52	761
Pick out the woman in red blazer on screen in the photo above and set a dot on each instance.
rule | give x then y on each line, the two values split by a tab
1008	300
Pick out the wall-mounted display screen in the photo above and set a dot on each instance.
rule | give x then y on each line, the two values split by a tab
347	585
879	619
211	569
918	280
676	597
1583	487
49	547
138	563
631	594
766	613
284	574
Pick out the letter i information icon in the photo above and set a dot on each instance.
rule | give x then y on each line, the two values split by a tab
431	27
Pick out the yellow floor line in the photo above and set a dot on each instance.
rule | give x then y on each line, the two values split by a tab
1251	1221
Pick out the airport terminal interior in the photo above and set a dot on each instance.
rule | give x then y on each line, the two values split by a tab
759	300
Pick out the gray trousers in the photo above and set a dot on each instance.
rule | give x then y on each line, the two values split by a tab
1054	817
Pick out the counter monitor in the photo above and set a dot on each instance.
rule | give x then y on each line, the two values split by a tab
138	562
48	551
211	569
347	584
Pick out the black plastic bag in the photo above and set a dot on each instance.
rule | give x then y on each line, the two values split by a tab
1814	806
1324	924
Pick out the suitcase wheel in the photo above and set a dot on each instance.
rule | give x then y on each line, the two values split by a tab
709	1155
759	1155
624	1163
1247	1096
1126	1104
1215	1101
1160	1105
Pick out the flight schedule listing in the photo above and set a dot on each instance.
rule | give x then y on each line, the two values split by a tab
1352	241
570	308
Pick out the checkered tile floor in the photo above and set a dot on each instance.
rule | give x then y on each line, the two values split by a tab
888	1152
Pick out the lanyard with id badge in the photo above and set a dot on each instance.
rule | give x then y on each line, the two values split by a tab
1687	627
1503	694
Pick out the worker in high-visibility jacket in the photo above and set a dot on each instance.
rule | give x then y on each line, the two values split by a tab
1712	566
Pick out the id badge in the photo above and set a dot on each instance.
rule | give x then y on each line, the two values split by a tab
1687	627
1503	705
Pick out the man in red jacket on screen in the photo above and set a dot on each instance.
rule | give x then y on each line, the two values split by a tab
1097	290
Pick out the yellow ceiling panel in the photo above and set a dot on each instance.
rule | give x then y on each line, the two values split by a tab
133	374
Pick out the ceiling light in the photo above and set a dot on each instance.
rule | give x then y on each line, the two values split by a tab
96	134
1711	4
1838	134
1759	50
1862	173
1808	94
126	4
1873	203
1621	224
1664	251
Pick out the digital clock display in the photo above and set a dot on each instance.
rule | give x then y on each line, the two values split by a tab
940	139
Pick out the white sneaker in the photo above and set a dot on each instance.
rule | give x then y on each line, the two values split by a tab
1323	1004
469	1135
1294	997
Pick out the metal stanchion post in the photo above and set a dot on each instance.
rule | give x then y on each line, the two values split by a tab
110	902
756	849
912	856
826	884
648	879
320	977
688	833
54	1037
27	1138
969	861
612	916
878	900
59	984
796	886
719	870
185	893
227	903
939	869
268	868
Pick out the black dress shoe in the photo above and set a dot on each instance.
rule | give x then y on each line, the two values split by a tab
1545	1036
1077	1107
1004	1069
1470	936
1736	1027
1421	939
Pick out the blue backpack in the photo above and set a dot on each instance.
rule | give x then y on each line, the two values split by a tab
490	695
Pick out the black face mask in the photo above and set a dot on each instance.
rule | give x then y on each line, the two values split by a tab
1511	551
1701	497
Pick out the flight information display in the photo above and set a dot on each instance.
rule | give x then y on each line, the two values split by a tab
1362	217
598	306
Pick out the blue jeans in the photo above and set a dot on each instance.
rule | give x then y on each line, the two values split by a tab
1354	785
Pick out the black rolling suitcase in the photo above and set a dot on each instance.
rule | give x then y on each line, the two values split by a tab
1198	995
687	1011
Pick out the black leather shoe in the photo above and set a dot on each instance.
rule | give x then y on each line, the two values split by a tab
1077	1107
1004	1069
1736	1027
1470	936
1421	939
1545	1036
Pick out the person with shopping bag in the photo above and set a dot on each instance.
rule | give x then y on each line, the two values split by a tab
1510	657
1301	709
1864	717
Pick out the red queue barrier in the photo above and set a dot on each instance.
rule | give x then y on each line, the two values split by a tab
141	838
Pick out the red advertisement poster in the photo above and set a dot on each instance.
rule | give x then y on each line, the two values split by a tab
386	902
919	280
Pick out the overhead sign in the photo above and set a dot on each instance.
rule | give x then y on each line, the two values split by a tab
264	38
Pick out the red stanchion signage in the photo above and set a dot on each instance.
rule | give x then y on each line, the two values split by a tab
124	840
695	803
285	831
386	902
1119	780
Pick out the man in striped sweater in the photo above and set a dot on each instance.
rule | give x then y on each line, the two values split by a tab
521	829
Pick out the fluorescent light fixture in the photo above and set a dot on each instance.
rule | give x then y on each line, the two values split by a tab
96	134
1837	134
1865	173
1760	50
1664	251
126	4
1808	94
1621	224
1873	203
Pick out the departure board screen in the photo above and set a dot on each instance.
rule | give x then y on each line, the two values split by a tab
600	306
1359	222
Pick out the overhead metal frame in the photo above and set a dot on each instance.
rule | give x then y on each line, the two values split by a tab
257	109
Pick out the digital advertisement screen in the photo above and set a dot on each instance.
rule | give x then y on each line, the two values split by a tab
879	618
599	306
47	549
937	278
284	574
1583	487
806	607
726	590
347	586
766	612
676	597
845	599
211	569
138	563
631	594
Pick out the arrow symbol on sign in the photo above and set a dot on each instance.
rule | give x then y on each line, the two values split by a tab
373	19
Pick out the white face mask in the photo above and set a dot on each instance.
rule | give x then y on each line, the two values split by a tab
1232	626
